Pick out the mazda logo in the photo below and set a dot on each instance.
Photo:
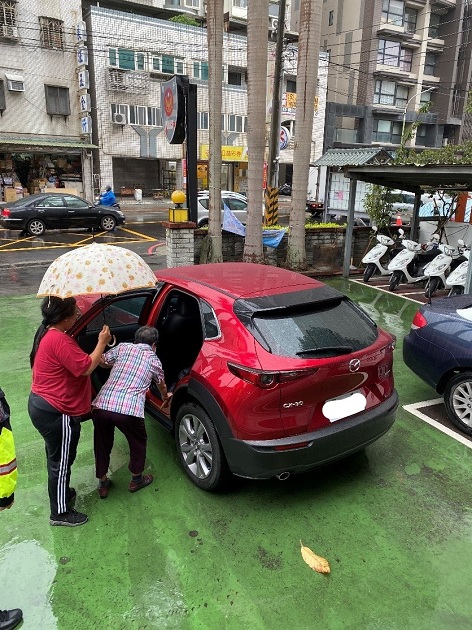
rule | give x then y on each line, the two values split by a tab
354	365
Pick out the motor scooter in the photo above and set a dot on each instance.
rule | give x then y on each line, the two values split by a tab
408	265
97	203
373	258
457	279
439	268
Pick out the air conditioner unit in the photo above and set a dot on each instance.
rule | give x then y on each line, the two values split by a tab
273	23
15	83
119	119
11	32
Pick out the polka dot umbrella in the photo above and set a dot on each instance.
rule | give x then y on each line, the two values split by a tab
96	268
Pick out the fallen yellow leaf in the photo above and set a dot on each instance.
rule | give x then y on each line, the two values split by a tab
317	563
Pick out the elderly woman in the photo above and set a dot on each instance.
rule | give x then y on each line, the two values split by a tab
60	397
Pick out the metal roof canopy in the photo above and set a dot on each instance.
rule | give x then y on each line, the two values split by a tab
414	178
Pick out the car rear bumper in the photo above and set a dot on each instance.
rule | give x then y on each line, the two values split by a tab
261	460
11	224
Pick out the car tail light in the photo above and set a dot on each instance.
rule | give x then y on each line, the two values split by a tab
419	321
265	379
6	212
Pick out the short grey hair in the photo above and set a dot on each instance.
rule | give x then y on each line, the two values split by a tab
146	334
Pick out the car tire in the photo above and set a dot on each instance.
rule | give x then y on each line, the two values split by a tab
395	279
432	287
203	223
369	272
199	448
108	223
36	227
458	401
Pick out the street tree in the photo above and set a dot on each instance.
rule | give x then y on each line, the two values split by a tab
307	75
257	32
212	251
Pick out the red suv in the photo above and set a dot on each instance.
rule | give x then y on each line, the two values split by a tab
272	372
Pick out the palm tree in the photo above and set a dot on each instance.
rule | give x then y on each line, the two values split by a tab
257	38
307	75
213	252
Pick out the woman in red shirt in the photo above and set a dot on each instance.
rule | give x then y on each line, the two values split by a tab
61	394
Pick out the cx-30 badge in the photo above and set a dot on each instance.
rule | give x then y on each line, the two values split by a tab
354	365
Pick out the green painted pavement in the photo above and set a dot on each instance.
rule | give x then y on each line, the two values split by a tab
395	523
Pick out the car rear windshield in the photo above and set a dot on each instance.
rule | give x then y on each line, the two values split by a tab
315	330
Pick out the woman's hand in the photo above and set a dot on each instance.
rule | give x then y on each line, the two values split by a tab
104	336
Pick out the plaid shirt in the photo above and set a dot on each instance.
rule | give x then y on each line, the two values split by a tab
135	366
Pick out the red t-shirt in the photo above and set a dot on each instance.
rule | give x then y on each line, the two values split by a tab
57	374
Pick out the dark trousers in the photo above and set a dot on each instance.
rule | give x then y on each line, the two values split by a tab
133	429
61	435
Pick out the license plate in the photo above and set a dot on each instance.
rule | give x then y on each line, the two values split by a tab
344	406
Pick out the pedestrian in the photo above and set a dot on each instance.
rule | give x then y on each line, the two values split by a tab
8	475
60	398
120	404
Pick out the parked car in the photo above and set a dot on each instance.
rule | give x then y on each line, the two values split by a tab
35	214
438	349
236	202
272	373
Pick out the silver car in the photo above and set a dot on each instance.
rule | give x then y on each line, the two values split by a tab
236	202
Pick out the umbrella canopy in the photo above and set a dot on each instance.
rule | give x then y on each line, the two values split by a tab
96	268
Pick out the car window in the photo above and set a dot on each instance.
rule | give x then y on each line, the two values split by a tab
53	201
234	204
122	312
75	202
316	331
210	321
204	203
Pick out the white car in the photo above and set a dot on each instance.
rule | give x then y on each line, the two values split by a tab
236	202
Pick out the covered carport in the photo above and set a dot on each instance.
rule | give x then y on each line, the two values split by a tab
417	179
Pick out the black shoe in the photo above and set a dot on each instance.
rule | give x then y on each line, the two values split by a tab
68	519
10	618
71	497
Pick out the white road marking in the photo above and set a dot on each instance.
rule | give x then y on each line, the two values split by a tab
414	409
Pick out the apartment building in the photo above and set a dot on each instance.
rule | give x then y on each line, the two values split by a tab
388	58
130	55
41	137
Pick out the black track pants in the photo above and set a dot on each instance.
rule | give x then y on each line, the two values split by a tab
61	435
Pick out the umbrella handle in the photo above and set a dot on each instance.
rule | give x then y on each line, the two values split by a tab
112	343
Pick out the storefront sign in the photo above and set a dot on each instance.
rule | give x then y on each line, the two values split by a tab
84	103
86	124
289	104
173	108
228	153
84	82
284	137
81	32
82	56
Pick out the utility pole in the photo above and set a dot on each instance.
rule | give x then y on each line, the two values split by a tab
274	147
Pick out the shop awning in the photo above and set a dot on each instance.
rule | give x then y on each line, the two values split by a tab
353	157
40	143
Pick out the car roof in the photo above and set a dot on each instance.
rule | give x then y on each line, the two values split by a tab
30	198
239	280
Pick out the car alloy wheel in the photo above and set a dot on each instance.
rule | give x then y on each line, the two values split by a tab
199	448
108	223
36	227
458	401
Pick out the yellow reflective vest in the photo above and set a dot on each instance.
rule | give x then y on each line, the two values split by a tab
8	470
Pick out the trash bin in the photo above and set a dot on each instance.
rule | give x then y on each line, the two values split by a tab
138	194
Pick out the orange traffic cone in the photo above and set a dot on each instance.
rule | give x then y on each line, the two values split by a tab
399	220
